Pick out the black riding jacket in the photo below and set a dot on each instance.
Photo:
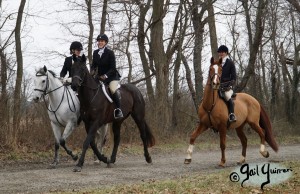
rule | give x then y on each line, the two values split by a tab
228	77
67	67
106	65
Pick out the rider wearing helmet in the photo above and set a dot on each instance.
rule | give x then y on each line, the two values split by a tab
228	79
104	62
75	49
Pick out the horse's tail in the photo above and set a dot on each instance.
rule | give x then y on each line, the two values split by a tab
149	137
265	123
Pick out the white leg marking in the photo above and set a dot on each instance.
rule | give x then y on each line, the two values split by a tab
262	148
190	151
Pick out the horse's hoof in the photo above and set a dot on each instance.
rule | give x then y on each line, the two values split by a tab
51	166
77	169
112	160
222	165
240	162
149	160
75	157
265	154
187	161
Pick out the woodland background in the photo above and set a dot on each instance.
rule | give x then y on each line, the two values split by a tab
164	47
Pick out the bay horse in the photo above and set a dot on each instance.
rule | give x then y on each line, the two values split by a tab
63	110
213	113
97	110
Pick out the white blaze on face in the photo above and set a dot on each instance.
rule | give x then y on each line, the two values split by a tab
216	67
40	85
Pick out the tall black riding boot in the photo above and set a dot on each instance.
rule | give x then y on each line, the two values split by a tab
231	111
117	99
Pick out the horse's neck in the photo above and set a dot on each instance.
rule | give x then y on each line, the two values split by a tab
88	90
55	96
210	97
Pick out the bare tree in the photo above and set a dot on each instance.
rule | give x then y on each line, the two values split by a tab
141	37
183	21
254	40
199	21
19	56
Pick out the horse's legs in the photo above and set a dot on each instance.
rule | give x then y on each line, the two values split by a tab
261	134
98	154
57	135
240	133
100	139
116	130
222	132
200	128
142	125
91	130
67	132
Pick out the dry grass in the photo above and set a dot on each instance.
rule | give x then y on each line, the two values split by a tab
201	182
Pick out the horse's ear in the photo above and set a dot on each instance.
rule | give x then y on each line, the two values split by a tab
83	58
220	61
74	57
212	60
45	68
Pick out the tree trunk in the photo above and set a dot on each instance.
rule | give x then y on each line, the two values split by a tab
17	92
103	17
212	29
91	32
4	113
295	92
286	85
198	25
161	66
142	49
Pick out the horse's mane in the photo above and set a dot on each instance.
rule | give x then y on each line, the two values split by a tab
41	71
54	74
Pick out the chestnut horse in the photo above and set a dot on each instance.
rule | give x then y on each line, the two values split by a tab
96	110
213	113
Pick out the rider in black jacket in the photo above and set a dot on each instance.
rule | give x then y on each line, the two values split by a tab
104	64
75	49
228	80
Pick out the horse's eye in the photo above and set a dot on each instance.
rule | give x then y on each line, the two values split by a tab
43	81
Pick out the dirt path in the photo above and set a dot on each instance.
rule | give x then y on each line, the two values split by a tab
35	178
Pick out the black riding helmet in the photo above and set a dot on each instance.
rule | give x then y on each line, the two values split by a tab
76	46
102	37
223	48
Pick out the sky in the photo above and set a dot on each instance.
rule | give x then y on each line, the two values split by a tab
40	34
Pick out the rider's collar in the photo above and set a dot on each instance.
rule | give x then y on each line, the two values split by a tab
224	60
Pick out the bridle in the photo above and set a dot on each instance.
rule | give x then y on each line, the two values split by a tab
44	92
